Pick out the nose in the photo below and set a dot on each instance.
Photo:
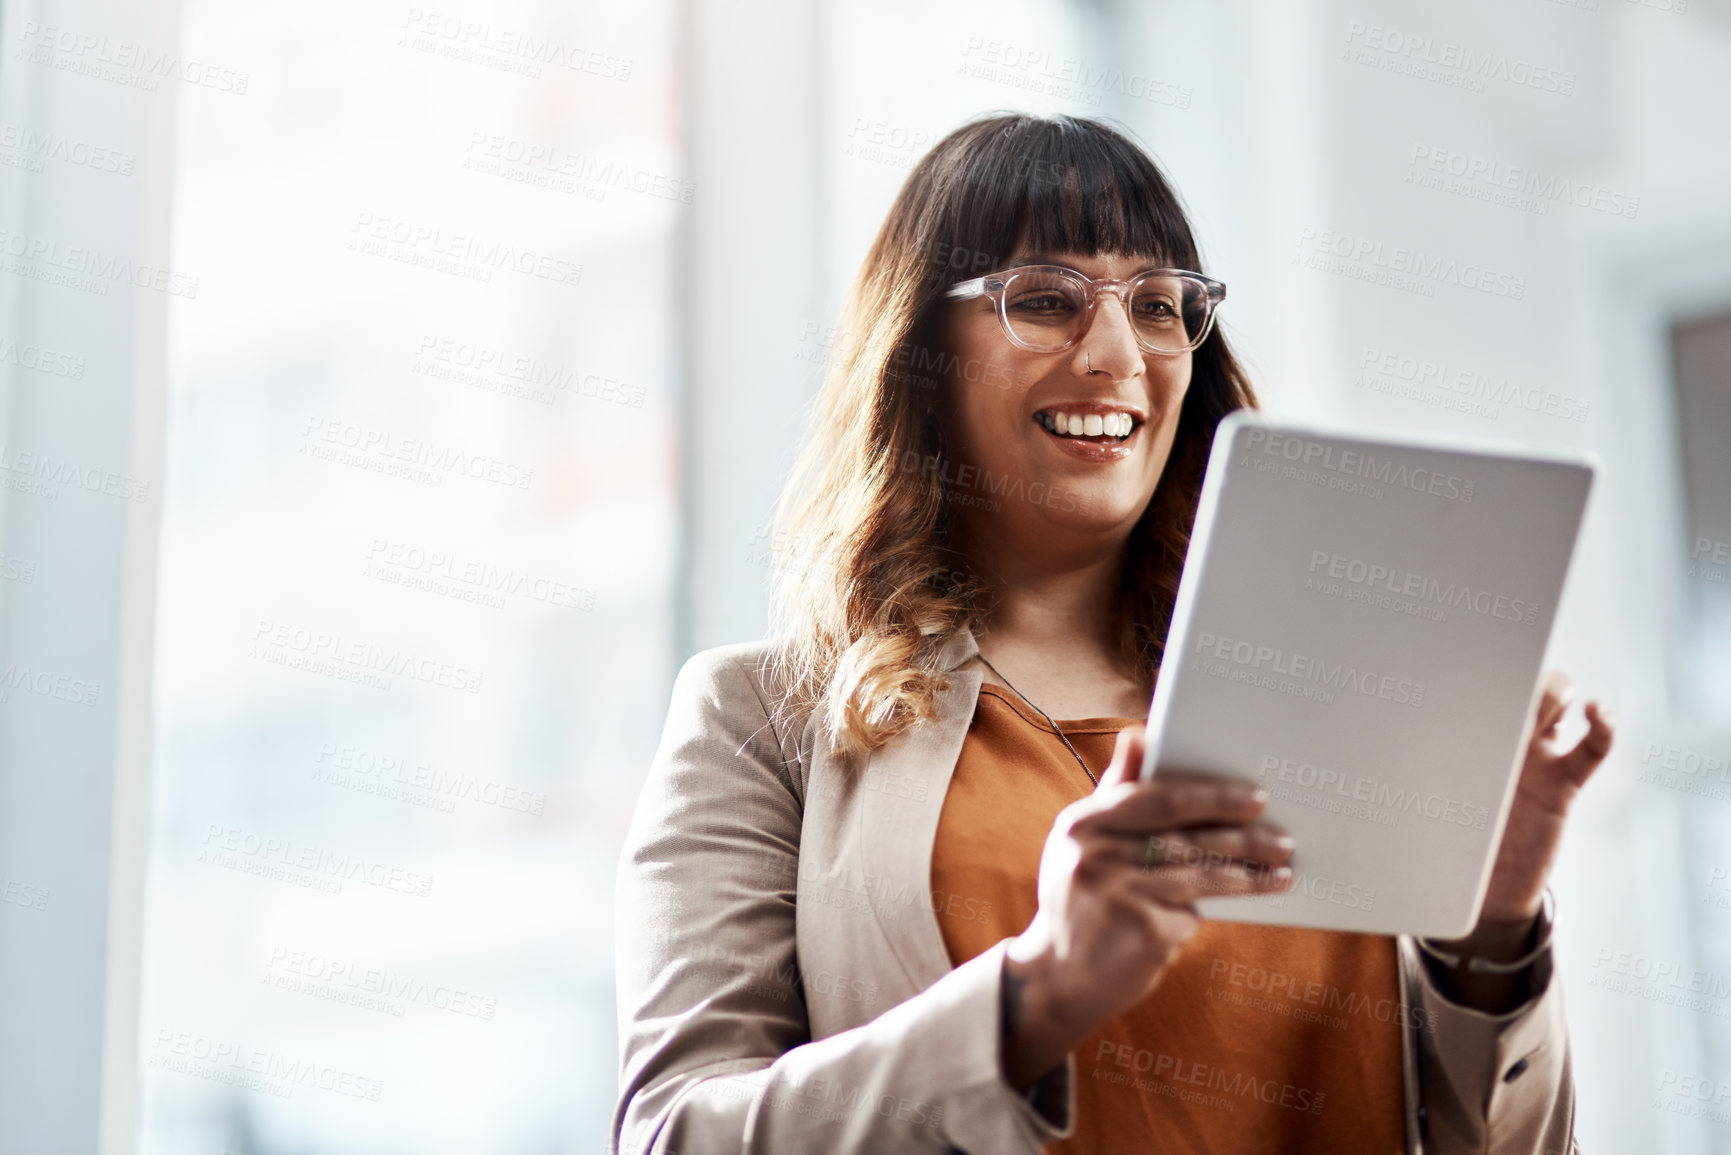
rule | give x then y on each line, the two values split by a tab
1109	346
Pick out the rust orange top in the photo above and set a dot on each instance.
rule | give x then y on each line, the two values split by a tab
1257	1039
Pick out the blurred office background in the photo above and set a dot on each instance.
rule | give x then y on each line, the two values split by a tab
391	398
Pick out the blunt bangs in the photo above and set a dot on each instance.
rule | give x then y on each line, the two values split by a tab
1048	185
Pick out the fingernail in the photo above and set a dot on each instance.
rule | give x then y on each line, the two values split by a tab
1283	874
1286	842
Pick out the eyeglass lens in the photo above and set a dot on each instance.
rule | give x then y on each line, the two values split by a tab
1047	310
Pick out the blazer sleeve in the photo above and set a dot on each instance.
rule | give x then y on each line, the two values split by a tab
715	1047
1494	1084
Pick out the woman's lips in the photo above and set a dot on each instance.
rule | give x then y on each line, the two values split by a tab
1093	449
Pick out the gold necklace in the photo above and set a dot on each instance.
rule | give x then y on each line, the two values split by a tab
1044	715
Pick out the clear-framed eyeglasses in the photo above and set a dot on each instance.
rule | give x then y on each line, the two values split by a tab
1048	308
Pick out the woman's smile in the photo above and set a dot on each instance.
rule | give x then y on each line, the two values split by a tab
1096	431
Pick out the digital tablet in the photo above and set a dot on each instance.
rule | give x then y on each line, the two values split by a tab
1359	629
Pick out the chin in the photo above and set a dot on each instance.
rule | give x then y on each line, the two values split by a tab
1095	508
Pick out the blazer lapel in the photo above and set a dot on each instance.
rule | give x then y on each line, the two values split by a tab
897	810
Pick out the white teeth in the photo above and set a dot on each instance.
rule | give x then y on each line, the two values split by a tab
1089	424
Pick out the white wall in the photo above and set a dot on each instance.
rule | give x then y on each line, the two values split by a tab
88	147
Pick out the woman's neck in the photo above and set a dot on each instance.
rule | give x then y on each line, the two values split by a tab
1056	607
1054	628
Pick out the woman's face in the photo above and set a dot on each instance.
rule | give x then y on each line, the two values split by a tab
1014	476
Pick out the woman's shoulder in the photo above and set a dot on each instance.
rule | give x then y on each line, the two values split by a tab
723	714
741	675
737	688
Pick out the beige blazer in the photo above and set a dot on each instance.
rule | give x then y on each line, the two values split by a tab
783	986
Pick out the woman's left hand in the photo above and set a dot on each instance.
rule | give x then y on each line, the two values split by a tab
1550	779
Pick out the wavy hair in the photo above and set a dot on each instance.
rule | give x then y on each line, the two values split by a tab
866	588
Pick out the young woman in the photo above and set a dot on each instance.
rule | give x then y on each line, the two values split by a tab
892	885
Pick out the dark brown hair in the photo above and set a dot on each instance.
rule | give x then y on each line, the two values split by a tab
865	580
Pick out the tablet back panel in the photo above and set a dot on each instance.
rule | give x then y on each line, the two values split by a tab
1359	629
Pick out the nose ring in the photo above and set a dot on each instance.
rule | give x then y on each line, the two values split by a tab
1086	356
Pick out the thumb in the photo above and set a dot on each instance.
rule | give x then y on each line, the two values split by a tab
1126	757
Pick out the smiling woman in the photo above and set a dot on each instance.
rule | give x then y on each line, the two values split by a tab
990	924
1010	195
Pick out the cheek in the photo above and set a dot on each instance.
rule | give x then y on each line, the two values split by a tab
983	393
1169	384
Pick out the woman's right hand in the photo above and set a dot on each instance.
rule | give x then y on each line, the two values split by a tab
1108	926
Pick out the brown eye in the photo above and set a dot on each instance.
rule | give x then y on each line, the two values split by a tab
1044	301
